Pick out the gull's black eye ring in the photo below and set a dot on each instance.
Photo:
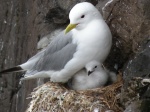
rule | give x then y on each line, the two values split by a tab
82	16
95	66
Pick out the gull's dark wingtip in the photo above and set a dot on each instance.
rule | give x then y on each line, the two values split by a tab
14	69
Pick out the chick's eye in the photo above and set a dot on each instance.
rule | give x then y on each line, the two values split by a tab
82	16
95	66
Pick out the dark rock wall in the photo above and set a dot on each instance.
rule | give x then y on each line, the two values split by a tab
135	89
23	23
18	42
129	23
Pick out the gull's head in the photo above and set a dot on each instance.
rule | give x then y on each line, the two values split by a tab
93	66
82	14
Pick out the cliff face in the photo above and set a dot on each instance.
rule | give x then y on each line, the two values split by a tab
23	23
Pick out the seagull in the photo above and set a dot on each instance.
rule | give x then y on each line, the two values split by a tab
93	76
86	38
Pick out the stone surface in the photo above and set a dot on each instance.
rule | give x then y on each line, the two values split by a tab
133	107
47	39
137	79
139	65
129	22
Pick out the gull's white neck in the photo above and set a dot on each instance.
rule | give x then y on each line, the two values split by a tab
97	30
96	35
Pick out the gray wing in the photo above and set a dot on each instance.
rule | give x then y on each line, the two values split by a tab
56	55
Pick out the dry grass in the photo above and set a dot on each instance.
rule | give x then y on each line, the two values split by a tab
55	97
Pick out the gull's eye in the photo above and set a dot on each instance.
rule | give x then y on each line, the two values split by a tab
95	66
82	16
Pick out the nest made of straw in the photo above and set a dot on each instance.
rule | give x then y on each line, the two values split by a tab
55	97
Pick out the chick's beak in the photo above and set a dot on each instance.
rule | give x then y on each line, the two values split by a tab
90	72
70	27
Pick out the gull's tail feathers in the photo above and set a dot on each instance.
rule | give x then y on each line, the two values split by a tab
14	69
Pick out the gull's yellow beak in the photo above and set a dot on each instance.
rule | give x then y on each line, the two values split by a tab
70	27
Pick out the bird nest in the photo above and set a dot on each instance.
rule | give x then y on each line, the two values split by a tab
56	97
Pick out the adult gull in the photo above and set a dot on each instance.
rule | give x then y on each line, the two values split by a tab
86	38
